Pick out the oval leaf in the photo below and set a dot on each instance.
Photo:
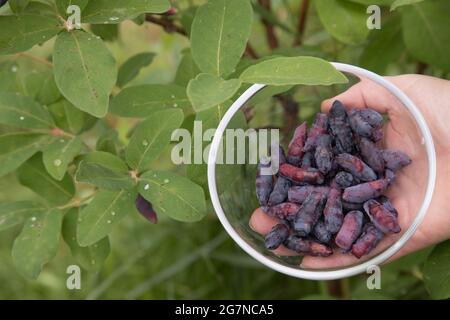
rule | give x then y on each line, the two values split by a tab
131	68
173	195
12	214
207	91
105	159
102	177
69	118
219	35
101	215
115	11
151	137
141	101
85	71
38	243
293	70
59	155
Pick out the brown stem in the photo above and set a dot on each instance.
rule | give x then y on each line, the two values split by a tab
166	24
250	52
290	114
421	67
272	39
301	22
335	288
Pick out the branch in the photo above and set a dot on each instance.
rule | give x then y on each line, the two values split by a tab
166	24
301	22
250	52
272	39
421	67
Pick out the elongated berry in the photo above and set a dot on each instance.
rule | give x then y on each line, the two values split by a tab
323	155
387	204
295	149
368	240
307	246
356	167
318	128
321	233
350	230
276	236
344	179
332	212
389	175
309	213
362	192
372	117
371	155
381	217
285	210
145	208
360	125
264	184
308	160
298	194
280	191
340	128
395	159
308	175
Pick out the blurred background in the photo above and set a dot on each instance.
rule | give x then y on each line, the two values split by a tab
173	260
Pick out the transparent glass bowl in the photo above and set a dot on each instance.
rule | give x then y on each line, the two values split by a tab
235	203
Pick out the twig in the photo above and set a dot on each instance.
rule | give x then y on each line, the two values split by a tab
301	22
250	52
166	24
272	39
421	67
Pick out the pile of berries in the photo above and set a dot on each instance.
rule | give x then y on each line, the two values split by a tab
328	190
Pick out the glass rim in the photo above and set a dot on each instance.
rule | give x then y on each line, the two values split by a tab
346	271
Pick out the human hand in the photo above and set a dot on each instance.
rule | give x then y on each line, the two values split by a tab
432	97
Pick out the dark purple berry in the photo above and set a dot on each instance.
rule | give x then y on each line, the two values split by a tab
146	209
321	233
350	230
371	155
359	125
309	213
362	192
306	246
381	217
323	155
344	179
280	191
285	210
372	117
356	167
298	194
264	184
340	128
388	205
332	212
368	240
308	160
295	174
395	159
295	149
276	236
318	128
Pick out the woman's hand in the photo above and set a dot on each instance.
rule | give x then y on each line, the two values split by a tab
432	97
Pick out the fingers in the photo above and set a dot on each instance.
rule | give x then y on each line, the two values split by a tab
262	224
367	94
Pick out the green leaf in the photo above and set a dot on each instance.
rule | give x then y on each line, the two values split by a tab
141	101
292	71
69	118
115	11
219	35
90	258
400	3
187	70
109	142
8	74
60	154
151	137
23	112
425	32
38	243
436	271
131	68
108	32
207	91
22	32
18	6
33	175
106	160
102	177
98	219
13	213
18	147
63	5
173	195
344	20
41	87
384	46
377	2
85	71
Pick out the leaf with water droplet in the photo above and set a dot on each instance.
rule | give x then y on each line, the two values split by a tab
41	87
157	131
103	177
59	155
105	159
23	112
38	243
13	213
180	198
94	224
91	257
131	68
69	118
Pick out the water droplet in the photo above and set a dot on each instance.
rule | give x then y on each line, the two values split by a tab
166	180
114	18
57	162
113	213
22	118
33	219
79	220
175	105
172	96
95	245
89	39
109	221
145	143
32	226
62	140
93	262
147	186
14	68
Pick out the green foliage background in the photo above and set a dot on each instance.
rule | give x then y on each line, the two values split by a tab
131	258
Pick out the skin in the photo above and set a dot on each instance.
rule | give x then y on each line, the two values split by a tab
432	97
